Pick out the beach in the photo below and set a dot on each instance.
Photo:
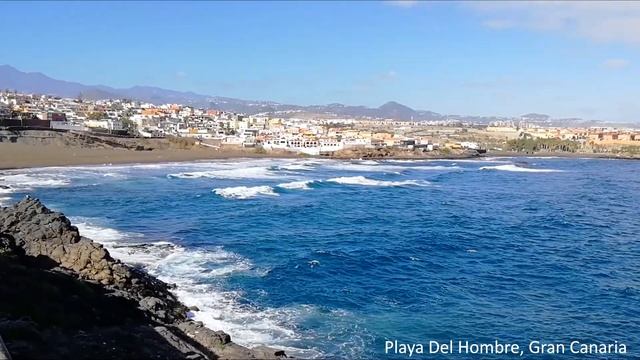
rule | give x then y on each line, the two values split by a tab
15	156
41	149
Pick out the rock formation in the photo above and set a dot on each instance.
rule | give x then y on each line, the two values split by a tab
71	299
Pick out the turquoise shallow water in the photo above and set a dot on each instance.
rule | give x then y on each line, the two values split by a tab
332	258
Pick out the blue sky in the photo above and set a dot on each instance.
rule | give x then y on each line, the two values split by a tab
563	59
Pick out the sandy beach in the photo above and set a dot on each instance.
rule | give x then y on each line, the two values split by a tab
15	156
19	155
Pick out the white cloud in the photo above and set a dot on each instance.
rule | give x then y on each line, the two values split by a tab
616	63
608	21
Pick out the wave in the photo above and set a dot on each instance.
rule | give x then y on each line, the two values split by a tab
435	167
361	180
404	161
245	192
368	162
369	166
473	160
198	274
298	166
515	168
89	229
295	185
241	173
389	167
27	181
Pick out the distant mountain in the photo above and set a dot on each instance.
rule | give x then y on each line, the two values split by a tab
38	83
389	110
12	78
35	82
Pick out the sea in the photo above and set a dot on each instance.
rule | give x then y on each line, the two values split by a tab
333	259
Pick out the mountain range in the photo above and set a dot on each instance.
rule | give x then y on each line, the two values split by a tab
38	83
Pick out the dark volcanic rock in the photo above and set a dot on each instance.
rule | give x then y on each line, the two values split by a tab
64	296
43	233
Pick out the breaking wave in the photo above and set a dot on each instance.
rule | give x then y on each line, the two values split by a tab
361	180
245	192
296	185
197	274
515	168
368	166
4	200
241	173
28	181
435	167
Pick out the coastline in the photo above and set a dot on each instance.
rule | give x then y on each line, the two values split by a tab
120	310
472	249
567	155
23	156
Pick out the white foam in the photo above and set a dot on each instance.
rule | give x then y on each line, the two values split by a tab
388	167
361	180
473	160
245	192
27	181
240	173
515	168
405	161
368	167
99	233
197	274
296	185
436	167
298	166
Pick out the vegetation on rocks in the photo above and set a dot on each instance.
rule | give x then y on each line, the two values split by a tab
529	145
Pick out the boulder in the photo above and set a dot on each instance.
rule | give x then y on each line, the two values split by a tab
31	231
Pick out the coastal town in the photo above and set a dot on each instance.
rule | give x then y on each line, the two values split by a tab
310	134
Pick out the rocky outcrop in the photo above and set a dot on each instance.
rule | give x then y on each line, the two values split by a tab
49	236
39	245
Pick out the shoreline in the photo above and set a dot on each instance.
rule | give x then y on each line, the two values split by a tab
20	156
564	155
115	304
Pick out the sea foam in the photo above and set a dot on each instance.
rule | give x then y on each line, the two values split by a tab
239	173
245	192
515	168
27	181
198	273
296	185
361	180
371	166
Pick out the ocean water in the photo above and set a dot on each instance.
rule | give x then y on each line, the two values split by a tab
328	258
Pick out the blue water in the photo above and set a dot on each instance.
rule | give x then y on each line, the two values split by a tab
508	249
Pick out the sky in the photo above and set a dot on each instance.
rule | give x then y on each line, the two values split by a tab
565	59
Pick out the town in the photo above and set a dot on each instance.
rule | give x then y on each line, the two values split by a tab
311	134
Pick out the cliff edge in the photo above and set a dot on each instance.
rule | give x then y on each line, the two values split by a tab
64	296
